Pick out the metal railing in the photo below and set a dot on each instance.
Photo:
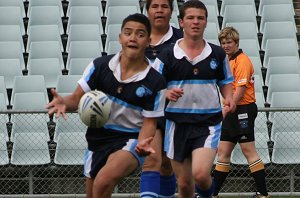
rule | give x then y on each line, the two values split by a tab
57	169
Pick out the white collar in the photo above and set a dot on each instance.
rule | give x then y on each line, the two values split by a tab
114	65
179	53
166	37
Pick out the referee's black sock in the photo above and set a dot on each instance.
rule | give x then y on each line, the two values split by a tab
220	173
257	169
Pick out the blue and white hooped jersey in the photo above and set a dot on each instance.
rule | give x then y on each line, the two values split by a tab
199	79
166	41
142	95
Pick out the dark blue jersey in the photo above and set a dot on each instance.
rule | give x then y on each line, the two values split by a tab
170	38
142	95
199	79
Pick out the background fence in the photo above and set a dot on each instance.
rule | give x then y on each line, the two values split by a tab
41	155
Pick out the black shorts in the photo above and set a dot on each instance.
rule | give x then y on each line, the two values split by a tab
239	126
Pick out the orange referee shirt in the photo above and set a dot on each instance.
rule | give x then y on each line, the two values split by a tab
243	72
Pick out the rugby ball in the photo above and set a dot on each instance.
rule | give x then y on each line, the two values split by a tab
94	108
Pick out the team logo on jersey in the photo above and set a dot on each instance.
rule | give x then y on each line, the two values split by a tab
143	91
195	71
119	89
213	63
154	52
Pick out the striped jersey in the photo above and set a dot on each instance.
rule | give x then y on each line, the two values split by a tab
199	78
169	38
142	95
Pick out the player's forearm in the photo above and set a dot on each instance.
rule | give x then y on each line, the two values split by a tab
148	129
226	91
239	93
72	101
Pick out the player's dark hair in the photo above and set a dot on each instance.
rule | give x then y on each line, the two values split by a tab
140	18
192	4
148	3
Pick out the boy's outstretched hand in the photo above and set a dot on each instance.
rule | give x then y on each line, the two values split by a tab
57	105
143	148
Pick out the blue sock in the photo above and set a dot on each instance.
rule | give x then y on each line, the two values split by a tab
150	184
206	193
167	186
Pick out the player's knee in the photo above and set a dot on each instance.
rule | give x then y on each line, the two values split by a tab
152	162
166	167
100	186
224	155
185	185
202	179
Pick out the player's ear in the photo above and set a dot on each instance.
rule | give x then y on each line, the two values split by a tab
149	41
181	23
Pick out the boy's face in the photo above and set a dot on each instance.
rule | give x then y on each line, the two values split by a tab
229	45
134	39
159	13
194	22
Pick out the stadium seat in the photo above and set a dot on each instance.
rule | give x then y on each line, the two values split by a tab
214	3
11	33
66	84
33	3
225	3
38	33
93	3
84	33
282	65
249	47
34	83
12	16
72	124
276	13
30	101
113	31
45	50
111	3
239	13
85	15
3	90
262	3
12	50
30	149
286	148
123	11
46	15
287	121
3	120
282	83
211	31
4	160
77	65
212	15
256	62
83	49
70	149
14	3
278	30
113	47
261	144
247	30
174	20
258	84
9	68
48	67
278	48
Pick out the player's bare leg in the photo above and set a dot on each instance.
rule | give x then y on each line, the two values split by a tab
119	165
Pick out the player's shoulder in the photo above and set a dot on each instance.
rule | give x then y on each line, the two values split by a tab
102	60
218	50
177	33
